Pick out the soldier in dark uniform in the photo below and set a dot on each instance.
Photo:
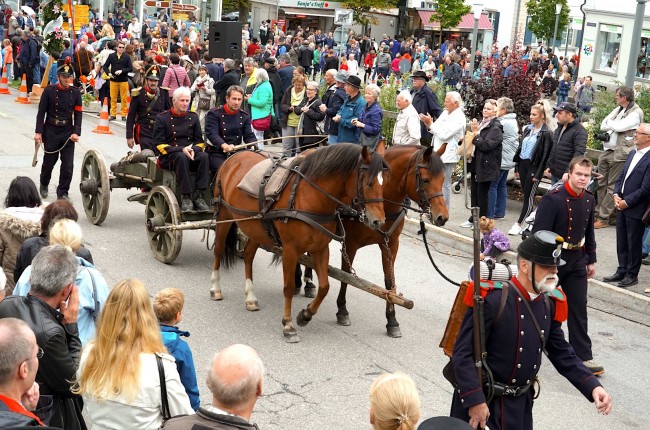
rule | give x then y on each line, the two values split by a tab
514	344
58	126
568	210
226	127
178	139
146	103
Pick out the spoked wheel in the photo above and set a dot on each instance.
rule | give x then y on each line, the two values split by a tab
95	187
162	211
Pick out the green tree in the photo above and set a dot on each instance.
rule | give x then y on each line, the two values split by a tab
361	10
542	18
449	13
243	6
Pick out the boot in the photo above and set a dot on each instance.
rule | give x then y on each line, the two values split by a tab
43	190
186	203
199	203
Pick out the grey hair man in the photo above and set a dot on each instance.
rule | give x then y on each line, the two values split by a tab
235	379
407	126
51	310
229	78
19	355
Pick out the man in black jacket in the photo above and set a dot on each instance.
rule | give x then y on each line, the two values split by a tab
332	101
229	78
424	102
118	66
54	323
570	141
305	57
276	85
29	58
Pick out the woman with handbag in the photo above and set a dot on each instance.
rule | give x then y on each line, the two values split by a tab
370	119
310	117
261	105
290	107
203	90
123	371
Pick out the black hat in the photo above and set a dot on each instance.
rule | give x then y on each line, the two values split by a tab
569	107
444	423
269	60
544	247
64	68
355	81
153	73
420	74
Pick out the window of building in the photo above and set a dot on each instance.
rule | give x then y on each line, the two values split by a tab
607	48
643	59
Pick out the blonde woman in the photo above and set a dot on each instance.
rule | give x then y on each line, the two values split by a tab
118	372
394	402
93	288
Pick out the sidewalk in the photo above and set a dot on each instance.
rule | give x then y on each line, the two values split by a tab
630	303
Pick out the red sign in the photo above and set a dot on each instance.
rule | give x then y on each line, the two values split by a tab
158	4
281	23
184	7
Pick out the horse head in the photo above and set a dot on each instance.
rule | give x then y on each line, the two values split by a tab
428	180
369	201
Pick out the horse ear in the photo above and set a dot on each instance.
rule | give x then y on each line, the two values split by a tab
427	154
442	149
381	146
366	155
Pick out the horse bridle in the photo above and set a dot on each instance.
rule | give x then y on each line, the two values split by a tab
359	202
423	197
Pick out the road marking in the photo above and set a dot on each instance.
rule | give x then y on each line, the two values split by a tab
4	115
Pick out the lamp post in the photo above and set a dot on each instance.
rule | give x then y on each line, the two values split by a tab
558	9
636	43
477	10
566	45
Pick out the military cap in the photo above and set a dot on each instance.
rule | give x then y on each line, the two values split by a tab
444	423
153	73
64	68
544	247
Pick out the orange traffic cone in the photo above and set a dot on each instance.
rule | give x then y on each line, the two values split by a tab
102	126
22	97
4	84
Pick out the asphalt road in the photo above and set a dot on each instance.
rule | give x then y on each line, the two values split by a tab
323	381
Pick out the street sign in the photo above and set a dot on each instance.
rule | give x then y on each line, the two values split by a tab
158	4
183	7
343	17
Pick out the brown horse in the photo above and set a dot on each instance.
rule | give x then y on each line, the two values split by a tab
417	173
329	177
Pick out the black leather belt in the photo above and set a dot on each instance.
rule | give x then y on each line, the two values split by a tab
503	390
58	122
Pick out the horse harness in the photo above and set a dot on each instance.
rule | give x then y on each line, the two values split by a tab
266	215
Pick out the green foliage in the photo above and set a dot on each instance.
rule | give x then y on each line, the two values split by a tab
52	37
449	13
361	9
542	17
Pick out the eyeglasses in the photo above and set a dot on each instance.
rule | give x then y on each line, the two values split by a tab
638	132
39	354
120	47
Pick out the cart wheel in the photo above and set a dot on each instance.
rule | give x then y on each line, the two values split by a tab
95	187
162	211
456	187
241	243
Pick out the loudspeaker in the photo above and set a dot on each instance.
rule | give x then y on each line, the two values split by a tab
225	39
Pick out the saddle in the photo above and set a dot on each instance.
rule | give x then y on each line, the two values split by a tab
272	174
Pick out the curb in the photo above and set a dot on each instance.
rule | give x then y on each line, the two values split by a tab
631	301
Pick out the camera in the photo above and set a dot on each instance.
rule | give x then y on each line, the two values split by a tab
603	136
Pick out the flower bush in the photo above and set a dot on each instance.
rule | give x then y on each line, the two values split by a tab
52	15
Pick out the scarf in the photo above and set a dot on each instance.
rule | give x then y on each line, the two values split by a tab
484	123
296	98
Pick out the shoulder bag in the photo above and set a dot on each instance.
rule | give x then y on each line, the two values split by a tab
163	390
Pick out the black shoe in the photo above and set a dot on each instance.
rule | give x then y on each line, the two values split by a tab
63	197
124	118
628	281
643	255
614	278
201	206
112	118
43	191
646	261
186	205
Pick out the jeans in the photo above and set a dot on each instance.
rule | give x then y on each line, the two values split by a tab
497	196
289	144
332	139
561	99
259	135
37	74
646	241
446	186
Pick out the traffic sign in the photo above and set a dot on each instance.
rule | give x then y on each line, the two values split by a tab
158	4
184	7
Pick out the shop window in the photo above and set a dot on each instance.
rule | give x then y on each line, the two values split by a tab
607	48
643	58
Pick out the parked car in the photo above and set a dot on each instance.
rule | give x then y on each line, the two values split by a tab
230	16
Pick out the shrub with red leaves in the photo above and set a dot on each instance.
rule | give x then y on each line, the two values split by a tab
519	86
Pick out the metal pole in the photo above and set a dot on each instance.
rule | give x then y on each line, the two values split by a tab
566	45
636	43
514	39
474	45
582	35
557	21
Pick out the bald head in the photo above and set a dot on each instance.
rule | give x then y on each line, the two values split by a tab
17	347
236	379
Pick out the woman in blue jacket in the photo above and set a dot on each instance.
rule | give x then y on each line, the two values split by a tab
370	119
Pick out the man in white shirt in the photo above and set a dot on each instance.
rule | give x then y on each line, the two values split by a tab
407	127
448	130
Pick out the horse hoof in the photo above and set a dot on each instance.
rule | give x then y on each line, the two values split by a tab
301	319
394	332
216	295
291	336
252	306
343	320
310	291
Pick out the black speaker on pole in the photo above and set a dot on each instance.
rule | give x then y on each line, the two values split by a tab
225	39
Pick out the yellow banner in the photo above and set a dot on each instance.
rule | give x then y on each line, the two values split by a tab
180	16
80	16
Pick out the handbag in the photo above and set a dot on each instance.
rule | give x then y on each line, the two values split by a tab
262	124
204	103
369	141
163	390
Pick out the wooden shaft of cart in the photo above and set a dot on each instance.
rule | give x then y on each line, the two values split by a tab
362	284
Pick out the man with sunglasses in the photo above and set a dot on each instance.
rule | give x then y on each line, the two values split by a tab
118	65
19	393
51	311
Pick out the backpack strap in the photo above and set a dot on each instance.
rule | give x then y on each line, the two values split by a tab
163	390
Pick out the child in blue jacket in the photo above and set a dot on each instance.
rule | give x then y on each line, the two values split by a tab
168	307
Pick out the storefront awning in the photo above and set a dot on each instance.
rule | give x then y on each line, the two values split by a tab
466	22
308	12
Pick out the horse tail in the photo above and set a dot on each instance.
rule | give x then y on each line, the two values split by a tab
229	255
276	260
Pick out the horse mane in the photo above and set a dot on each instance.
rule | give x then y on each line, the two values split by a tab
339	160
435	166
